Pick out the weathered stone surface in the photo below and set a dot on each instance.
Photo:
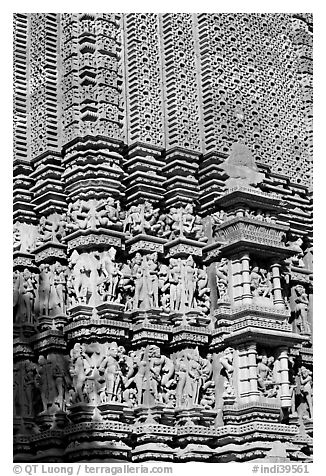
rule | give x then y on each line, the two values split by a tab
162	287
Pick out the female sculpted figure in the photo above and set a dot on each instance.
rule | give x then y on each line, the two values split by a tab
301	309
227	370
28	294
44	289
139	378
176	284
59	282
153	279
77	370
306	387
190	281
181	370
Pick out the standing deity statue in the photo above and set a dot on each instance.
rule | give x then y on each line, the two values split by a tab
112	373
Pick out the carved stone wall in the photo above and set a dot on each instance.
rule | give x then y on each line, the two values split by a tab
162	277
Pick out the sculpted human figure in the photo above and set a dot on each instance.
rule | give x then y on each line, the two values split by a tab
16	237
175	280
301	309
188	220
198	230
23	385
222	279
72	299
152	266
49	382
174	219
164	286
139	378
203	301
181	369
44	290
78	365
255	280
306	387
46	231
73	213
29	286
161	371
141	276
28	386
151	225
298	254
112	372
60	288
133	221
193	377
110	214
217	219
111	272
227	370
265	380
191	275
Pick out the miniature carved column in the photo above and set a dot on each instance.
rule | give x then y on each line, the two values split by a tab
284	377
277	289
244	383
237	281
252	373
246	293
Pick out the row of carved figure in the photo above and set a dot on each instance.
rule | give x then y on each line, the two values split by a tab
93	278
106	373
142	283
94	214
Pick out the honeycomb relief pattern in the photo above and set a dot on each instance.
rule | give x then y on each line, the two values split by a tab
92	83
20	70
44	83
256	88
181	95
145	99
